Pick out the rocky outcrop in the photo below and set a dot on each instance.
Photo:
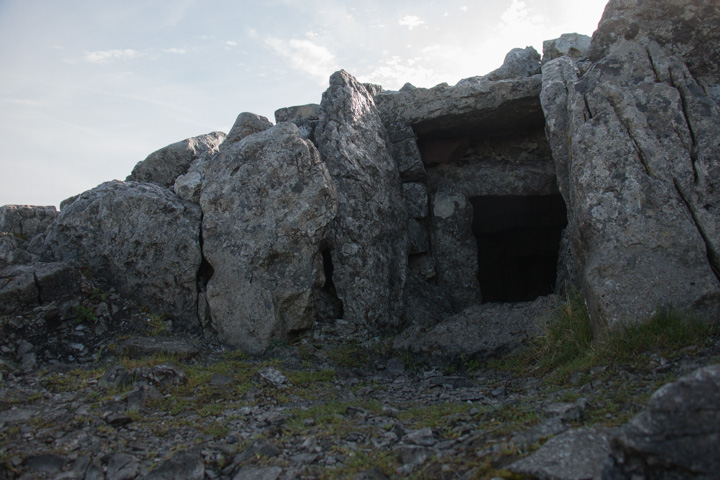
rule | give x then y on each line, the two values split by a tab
245	124
24	287
136	237
26	221
571	45
165	165
306	117
267	203
519	62
676	437
685	28
486	105
637	157
369	235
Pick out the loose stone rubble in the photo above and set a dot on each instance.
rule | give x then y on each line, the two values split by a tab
371	253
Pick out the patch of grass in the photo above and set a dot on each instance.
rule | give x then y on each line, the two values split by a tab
358	461
84	314
157	325
433	416
568	346
350	355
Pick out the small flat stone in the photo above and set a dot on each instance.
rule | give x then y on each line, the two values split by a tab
48	463
258	473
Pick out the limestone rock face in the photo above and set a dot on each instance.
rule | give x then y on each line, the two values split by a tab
31	285
571	45
165	165
676	437
486	104
687	28
267	203
638	161
369	235
137	237
26	221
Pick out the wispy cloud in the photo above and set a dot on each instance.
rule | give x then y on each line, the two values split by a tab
106	56
230	43
176	51
410	21
304	55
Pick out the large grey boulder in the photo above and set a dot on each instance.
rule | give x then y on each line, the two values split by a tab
165	165
26	221
267	205
136	237
369	235
676	437
635	144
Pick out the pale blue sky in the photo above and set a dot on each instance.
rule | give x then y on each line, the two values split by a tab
89	87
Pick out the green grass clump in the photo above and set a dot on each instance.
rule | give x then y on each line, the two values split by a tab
568	345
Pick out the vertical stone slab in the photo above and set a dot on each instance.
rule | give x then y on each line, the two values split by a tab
455	247
634	150
369	235
267	203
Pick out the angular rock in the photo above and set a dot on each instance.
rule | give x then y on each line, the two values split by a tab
518	63
369	235
455	247
258	473
189	185
121	466
13	250
306	117
267	202
405	152
574	455
136	237
26	221
571	45
246	124
481	331
416	199
519	164
48	463
642	209
165	165
184	465
677	436
28	286
418	237
683	27
485	106
427	304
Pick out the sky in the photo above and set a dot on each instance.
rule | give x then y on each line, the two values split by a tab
89	88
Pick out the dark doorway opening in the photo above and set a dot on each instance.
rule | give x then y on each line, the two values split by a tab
518	239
